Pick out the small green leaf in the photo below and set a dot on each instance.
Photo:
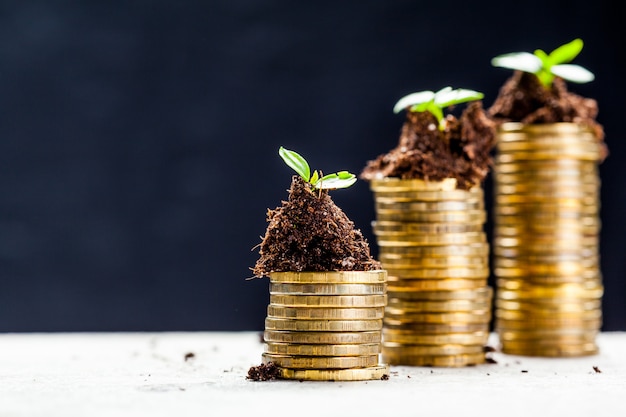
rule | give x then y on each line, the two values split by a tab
458	96
522	61
543	56
573	73
314	178
436	111
413	100
565	53
545	77
341	179
296	162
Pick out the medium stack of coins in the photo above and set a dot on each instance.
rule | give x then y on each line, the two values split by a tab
432	245
326	325
546	226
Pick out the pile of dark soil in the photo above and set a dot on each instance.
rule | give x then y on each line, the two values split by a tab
263	372
309	232
461	151
524	99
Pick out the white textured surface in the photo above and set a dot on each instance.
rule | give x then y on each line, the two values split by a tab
137	374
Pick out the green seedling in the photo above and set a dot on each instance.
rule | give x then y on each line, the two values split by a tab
548	66
341	179
435	103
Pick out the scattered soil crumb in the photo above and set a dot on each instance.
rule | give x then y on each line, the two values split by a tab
263	372
385	377
597	370
189	356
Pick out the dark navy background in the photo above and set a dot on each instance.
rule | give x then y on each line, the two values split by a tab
138	139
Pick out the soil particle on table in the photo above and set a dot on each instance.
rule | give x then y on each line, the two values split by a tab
462	150
264	372
309	232
522	98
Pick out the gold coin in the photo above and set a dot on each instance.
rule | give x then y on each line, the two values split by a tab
426	240
416	306
554	336
430	350
328	289
481	294
328	300
432	195
542	314
547	170
291	349
511	258
587	279
323	313
355	374
548	189
463	216
530	210
534	230
552	176
551	145
563	350
544	270
471	250
580	243
430	206
330	338
412	286
334	277
571	200
513	131
294	325
476	316
416	338
434	328
444	361
592	290
384	185
581	154
532	324
531	253
406	274
550	305
405	262
413	228
541	221
321	362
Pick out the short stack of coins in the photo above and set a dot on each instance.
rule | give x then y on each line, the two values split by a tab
326	325
432	244
546	236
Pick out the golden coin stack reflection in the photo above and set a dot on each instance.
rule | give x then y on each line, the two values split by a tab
432	245
546	227
326	325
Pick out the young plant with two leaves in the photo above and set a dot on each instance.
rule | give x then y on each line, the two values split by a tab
317	181
436	102
548	66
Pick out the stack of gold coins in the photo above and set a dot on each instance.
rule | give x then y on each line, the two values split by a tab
326	325
546	227
432	245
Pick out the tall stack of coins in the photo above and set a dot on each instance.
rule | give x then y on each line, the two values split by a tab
546	227
432	245
326	325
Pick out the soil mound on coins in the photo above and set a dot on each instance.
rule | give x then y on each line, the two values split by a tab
462	150
524	99
309	232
